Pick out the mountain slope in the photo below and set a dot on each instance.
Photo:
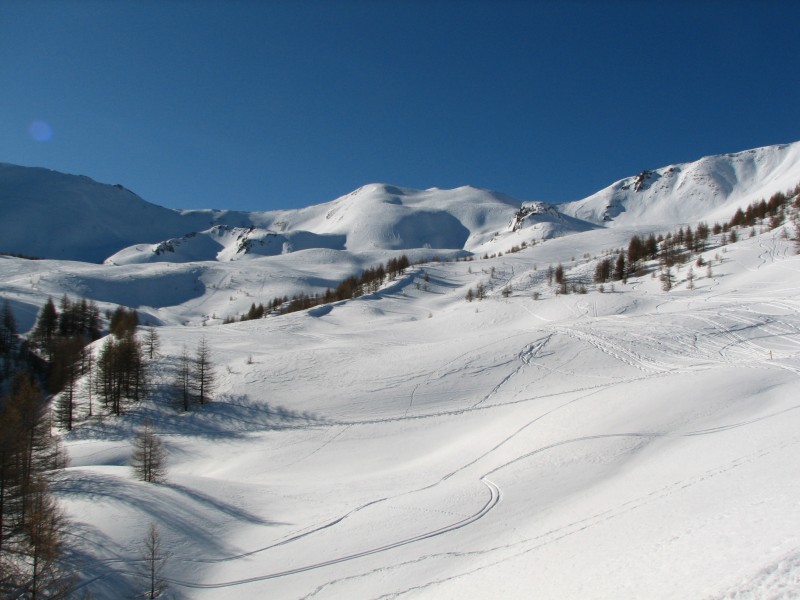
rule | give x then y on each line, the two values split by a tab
710	188
53	215
376	217
411	444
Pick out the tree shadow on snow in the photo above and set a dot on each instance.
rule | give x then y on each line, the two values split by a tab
181	514
225	417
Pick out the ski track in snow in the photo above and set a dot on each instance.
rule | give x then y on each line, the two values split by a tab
494	498
555	535
495	495
731	346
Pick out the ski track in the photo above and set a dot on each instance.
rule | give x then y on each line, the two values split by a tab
494	498
554	535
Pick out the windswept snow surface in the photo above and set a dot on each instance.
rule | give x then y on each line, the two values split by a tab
627	444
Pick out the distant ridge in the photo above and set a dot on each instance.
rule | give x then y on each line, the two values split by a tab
54	215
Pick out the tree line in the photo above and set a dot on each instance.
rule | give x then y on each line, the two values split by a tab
368	281
671	249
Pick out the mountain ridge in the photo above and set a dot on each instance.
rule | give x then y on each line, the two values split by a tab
716	185
88	221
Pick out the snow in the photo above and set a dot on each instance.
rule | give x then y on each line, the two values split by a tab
711	188
628	444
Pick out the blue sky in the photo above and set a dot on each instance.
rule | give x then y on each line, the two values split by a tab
252	105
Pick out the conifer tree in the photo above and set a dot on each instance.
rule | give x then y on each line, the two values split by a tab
123	322
149	456
30	521
46	327
619	267
203	376
8	330
667	279
602	271
71	357
153	562
152	343
120	372
183	379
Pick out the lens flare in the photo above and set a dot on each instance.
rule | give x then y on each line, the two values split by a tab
40	131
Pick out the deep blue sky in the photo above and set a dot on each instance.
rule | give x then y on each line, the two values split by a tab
255	105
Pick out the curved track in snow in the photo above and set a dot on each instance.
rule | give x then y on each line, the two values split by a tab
494	498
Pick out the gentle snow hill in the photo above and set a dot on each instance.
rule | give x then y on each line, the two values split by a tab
711	188
623	443
225	243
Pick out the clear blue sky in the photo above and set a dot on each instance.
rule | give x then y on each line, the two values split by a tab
256	105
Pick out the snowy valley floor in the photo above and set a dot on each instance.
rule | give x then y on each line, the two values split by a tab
627	444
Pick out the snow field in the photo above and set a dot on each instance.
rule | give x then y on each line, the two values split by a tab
627	444
410	444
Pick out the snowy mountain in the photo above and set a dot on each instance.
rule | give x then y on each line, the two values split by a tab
80	219
710	188
374	217
53	215
617	441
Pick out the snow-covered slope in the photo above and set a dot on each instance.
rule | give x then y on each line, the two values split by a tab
225	243
71	217
627	444
53	215
710	188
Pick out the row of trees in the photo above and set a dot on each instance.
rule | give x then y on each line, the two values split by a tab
195	377
757	212
13	351
675	248
678	247
117	375
369	280
79	320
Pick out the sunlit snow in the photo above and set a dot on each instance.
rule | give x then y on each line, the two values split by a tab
633	443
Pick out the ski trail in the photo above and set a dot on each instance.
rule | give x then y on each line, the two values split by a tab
494	498
541	541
